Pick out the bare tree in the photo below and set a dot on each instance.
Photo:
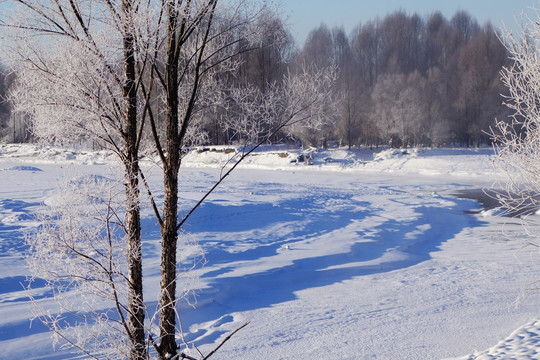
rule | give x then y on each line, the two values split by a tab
303	104
437	126
318	49
480	62
400	108
6	79
201	40
202	44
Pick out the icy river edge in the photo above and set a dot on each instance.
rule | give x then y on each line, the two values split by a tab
369	260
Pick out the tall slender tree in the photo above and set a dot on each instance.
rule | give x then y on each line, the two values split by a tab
99	72
79	80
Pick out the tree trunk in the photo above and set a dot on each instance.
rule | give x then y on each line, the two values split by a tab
134	259
175	135
169	233
169	238
133	222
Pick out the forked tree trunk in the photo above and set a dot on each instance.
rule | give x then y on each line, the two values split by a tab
133	222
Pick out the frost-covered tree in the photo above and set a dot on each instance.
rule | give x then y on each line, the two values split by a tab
517	139
202	41
130	75
309	103
480	62
80	252
7	130
400	108
299	107
196	42
77	78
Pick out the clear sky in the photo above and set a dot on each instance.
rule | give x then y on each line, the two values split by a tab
305	15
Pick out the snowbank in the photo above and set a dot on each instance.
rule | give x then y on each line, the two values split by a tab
53	154
442	162
521	344
458	162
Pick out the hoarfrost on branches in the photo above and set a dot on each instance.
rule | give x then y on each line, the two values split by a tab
517	139
139	77
303	104
79	251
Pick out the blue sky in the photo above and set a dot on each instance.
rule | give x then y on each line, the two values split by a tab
305	15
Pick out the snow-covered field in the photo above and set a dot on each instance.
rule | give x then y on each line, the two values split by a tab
356	256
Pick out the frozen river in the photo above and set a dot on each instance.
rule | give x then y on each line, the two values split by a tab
324	264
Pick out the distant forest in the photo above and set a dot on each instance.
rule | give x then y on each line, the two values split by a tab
404	80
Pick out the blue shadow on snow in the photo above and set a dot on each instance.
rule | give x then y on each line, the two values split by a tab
253	291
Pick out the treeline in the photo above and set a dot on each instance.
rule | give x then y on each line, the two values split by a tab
404	80
411	81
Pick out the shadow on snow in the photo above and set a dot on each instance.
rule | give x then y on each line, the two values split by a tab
263	289
265	228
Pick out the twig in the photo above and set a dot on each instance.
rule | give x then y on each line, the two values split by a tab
225	340
156	346
182	356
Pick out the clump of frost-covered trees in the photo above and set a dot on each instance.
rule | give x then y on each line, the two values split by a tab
140	78
408	80
11	128
404	80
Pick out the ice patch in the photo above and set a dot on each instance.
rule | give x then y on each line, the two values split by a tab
23	168
493	212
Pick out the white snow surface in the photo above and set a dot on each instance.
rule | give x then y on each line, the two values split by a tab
345	255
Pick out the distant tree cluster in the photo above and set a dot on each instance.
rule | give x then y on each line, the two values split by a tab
407	81
403	80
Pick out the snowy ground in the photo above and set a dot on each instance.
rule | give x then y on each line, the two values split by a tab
355	256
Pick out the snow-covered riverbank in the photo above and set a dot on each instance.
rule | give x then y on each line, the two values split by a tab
358	255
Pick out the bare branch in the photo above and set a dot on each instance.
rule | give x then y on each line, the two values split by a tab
225	340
